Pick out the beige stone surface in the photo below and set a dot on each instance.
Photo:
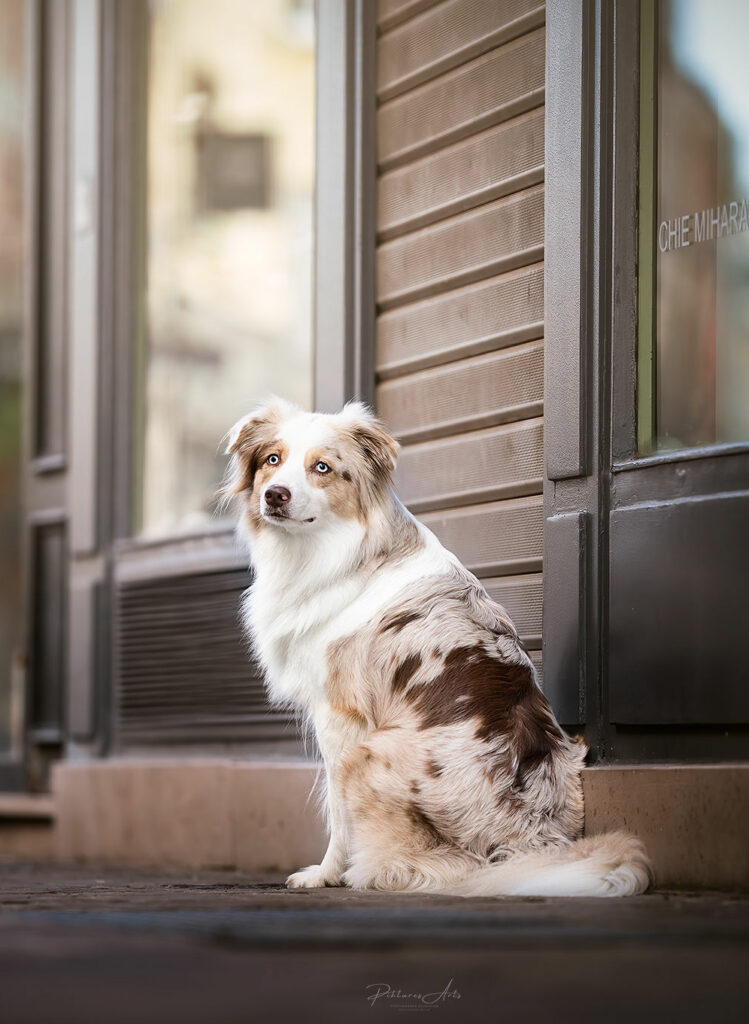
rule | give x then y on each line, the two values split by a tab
199	813
693	819
261	816
277	825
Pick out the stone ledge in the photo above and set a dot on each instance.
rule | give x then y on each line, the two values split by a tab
27	827
259	816
194	812
26	807
691	818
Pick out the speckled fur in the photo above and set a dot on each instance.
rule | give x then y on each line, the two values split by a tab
445	767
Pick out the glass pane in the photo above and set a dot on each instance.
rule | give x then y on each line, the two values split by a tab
701	224
13	114
229	220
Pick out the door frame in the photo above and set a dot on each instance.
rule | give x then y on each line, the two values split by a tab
47	434
592	472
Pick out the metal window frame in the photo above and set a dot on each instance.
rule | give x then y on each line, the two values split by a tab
344	217
47	444
592	323
89	490
345	189
574	280
679	482
646	171
343	265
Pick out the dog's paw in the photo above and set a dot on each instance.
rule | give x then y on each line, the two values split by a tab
312	877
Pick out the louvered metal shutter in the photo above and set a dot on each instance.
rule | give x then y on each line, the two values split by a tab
183	670
459	355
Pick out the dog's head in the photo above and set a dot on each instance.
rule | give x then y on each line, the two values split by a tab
297	470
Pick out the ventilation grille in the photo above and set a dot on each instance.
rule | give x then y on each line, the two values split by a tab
183	670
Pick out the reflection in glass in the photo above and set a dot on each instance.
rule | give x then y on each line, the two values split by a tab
13	113
701	224
229	222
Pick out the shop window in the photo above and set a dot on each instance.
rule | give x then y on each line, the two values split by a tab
230	167
693	366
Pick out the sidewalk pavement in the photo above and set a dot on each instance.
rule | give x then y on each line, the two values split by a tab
80	944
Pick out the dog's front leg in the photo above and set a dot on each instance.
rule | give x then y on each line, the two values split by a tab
335	736
330	870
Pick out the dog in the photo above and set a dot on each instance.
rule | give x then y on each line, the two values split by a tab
445	768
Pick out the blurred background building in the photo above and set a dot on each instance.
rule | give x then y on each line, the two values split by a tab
520	231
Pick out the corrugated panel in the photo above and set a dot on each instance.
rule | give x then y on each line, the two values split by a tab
492	88
503	235
495	163
503	462
464	322
460	282
496	539
474	393
393	12
183	671
447	35
522	596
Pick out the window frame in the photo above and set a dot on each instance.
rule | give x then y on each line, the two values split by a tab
634	347
343	267
592	155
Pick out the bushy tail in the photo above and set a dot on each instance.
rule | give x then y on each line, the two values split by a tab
611	864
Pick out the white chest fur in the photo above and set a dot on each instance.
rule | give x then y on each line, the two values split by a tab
306	596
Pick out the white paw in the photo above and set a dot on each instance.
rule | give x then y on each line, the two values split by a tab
312	877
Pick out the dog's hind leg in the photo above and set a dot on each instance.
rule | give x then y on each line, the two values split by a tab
394	844
378	862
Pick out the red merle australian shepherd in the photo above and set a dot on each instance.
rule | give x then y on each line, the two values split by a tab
446	770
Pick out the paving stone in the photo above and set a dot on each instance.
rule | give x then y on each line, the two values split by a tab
80	945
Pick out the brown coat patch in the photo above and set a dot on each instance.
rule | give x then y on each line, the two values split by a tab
260	473
405	671
344	496
252	440
424	825
396	623
503	697
350	714
369	457
378	448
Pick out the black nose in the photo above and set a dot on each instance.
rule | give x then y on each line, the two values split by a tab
277	496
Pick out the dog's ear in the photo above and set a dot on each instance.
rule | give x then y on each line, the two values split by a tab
245	439
372	439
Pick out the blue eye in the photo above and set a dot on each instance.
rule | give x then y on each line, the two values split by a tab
322	467
273	460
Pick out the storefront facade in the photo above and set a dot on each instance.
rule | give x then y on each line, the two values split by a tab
529	253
